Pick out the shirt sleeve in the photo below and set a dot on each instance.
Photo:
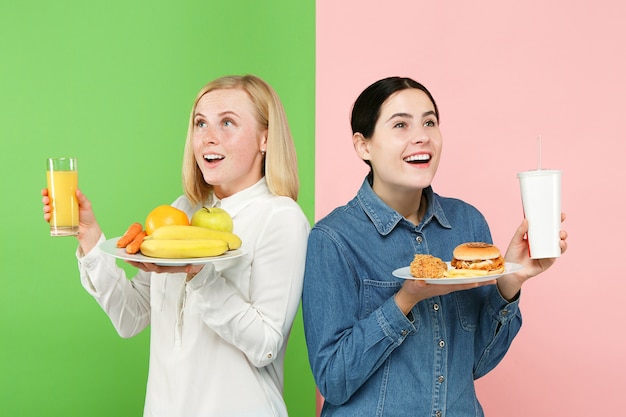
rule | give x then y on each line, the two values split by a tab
500	323
126	302
344	350
258	323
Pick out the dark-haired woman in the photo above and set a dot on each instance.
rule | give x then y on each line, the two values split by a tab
379	345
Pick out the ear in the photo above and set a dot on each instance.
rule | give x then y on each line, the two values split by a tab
263	142
361	146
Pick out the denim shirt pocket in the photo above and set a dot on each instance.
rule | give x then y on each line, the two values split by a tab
375	293
468	307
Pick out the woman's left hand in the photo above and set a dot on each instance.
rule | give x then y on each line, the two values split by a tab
517	252
161	269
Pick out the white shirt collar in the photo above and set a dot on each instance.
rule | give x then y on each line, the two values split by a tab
240	200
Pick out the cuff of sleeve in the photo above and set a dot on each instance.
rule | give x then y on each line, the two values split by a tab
90	258
503	309
393	322
207	276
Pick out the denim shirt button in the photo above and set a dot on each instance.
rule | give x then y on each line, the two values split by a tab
404	332
419	239
442	343
504	312
438	413
436	307
440	379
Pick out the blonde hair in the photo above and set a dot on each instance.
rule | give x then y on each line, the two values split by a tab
280	165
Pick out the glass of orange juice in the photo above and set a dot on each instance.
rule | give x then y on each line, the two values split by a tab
62	175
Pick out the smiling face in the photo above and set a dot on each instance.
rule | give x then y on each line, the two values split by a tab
227	141
405	148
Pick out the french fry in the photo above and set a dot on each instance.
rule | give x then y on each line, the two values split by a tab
465	273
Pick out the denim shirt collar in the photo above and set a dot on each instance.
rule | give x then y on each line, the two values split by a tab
385	219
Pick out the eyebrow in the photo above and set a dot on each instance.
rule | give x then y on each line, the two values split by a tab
410	116
222	114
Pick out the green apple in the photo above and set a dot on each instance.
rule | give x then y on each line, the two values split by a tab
214	218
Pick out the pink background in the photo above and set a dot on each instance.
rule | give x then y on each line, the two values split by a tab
502	74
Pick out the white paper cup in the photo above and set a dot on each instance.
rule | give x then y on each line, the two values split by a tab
541	199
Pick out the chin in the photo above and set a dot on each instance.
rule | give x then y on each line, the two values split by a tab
422	181
211	178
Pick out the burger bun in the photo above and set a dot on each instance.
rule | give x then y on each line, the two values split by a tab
472	251
473	259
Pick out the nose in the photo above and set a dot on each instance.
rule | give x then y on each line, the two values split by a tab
420	136
208	136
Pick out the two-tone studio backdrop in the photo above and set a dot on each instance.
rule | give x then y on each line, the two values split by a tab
112	83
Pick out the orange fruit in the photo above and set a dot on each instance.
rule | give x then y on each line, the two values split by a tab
165	216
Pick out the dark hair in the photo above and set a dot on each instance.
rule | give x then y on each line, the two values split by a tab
366	108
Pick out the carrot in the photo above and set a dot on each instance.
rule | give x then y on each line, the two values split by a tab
133	230
133	247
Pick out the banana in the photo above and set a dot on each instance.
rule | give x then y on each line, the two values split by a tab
234	242
178	232
183	248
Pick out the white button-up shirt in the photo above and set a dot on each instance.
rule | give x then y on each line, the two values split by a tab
217	342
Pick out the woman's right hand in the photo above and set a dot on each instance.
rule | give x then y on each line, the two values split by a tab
414	291
89	231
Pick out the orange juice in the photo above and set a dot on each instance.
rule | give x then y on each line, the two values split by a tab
62	187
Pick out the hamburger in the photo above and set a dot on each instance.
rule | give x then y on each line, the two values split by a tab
473	259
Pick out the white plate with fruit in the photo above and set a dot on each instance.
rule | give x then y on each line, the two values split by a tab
110	248
170	238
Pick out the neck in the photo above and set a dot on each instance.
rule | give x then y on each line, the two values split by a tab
412	206
417	215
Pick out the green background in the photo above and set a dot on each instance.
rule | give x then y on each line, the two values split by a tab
112	83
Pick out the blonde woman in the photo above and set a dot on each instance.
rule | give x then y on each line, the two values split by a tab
218	331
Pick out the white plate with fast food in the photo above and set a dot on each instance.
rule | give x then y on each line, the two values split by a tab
509	268
109	247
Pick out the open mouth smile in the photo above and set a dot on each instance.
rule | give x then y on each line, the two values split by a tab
422	158
213	157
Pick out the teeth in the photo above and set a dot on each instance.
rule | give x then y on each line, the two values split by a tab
420	157
213	157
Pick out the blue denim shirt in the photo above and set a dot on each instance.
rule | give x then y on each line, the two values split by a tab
367	357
